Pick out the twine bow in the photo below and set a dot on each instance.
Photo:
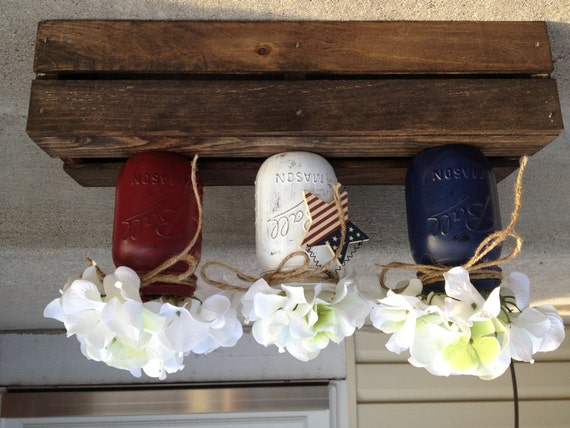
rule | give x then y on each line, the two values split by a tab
158	275
185	277
280	274
430	274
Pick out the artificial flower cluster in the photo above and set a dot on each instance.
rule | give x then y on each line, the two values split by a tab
302	320
461	332
451	333
114	326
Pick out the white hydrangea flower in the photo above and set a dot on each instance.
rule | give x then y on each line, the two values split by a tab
480	344
80	309
259	288
114	326
431	335
224	328
482	351
397	314
461	332
302	320
533	329
464	304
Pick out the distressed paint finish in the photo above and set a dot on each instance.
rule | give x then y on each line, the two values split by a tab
281	215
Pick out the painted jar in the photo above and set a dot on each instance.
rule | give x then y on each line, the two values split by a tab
452	206
156	216
281	215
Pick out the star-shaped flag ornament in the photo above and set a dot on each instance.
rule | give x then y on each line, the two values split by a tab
325	229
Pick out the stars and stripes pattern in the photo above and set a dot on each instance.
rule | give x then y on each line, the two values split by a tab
325	227
324	217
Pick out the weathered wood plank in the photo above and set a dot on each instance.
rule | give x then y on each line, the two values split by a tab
242	172
216	89
388	118
292	47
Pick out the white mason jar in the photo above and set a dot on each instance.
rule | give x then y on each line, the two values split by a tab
281	215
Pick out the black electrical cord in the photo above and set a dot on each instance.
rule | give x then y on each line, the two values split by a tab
515	393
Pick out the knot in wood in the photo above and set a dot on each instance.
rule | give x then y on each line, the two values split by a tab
264	50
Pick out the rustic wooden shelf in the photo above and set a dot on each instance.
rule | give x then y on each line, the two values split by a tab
366	95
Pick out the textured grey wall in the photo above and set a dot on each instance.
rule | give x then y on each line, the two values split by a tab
48	224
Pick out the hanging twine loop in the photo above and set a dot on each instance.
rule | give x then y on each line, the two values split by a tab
478	269
281	275
159	274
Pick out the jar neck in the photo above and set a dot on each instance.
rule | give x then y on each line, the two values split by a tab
159	290
484	285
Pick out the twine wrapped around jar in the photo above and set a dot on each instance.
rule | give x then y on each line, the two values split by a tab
430	274
159	274
280	275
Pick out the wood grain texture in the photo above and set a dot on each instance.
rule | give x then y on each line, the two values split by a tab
366	95
292	47
364	118
242	172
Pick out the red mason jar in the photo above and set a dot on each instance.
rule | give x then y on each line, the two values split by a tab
156	217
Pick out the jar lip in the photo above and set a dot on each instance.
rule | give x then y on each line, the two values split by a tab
158	290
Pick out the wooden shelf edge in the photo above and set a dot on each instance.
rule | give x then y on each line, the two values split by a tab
366	95
293	46
242	172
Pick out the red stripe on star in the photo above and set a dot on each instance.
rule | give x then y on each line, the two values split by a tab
324	217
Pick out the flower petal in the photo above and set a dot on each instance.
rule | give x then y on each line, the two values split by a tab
295	294
404	337
247	299
266	331
265	305
299	328
183	332
555	334
487	349
519	284
458	285
491	306
130	283
54	310
91	274
81	295
124	284
309	349
214	307
461	356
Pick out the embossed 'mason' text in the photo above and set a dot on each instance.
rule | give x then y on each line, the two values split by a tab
156	179
457	174
299	177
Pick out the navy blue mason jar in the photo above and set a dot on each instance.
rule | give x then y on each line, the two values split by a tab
452	206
